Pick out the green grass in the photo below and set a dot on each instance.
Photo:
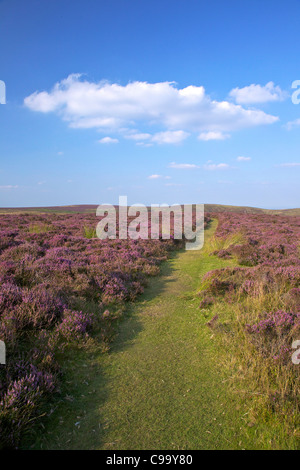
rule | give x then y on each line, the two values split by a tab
39	228
162	385
270	390
217	244
89	232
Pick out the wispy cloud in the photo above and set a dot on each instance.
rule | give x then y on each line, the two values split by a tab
144	144
155	177
214	166
289	165
166	137
208	166
254	94
292	124
243	159
9	186
108	140
183	166
138	136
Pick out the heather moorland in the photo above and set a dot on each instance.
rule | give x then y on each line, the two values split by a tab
65	292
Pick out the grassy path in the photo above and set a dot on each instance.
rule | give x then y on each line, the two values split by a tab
162	385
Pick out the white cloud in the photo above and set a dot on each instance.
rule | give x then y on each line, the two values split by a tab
170	137
143	144
108	140
166	137
290	165
243	159
110	106
9	186
154	177
183	166
208	166
213	166
257	94
213	136
292	124
138	136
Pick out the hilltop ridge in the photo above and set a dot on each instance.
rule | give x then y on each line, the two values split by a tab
90	208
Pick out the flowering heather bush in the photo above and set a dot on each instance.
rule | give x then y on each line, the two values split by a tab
276	323
269	238
225	254
274	333
49	265
206	302
75	325
264	293
270	253
20	403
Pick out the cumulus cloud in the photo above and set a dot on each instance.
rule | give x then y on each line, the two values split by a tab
243	159
213	136
178	112
253	94
108	140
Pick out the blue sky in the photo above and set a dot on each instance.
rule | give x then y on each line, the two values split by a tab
165	102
